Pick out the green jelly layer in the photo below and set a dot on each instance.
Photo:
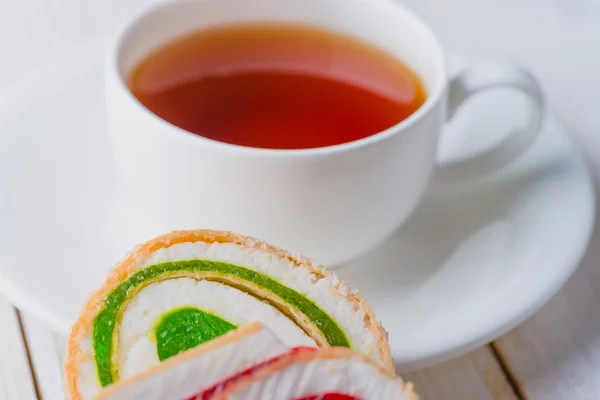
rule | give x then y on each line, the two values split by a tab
184	328
109	316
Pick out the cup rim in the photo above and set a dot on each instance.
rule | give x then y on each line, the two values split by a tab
397	129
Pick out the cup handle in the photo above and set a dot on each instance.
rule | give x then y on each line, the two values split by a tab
482	78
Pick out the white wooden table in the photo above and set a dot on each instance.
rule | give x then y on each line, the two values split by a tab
554	355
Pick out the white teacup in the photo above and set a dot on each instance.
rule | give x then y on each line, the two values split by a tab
330	203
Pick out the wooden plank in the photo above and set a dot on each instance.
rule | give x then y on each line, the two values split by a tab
16	380
476	376
46	350
556	353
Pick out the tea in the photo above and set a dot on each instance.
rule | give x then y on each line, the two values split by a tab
276	86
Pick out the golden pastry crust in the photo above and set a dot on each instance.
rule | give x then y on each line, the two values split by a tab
323	353
128	265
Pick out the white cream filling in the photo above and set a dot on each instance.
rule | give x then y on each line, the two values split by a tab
317	377
137	345
87	381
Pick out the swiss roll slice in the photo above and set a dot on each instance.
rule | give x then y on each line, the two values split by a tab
315	374
186	288
201	369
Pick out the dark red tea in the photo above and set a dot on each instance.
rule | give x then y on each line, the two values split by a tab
276	86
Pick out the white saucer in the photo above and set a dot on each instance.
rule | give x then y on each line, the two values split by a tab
473	261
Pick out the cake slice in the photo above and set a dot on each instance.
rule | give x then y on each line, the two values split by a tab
186	288
316	374
198	369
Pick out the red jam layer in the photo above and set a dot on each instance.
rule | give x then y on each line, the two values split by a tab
225	383
329	396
